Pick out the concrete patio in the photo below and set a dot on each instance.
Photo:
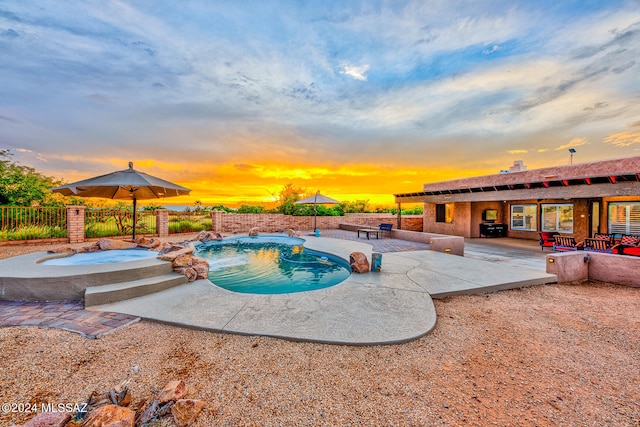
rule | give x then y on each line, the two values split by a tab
392	306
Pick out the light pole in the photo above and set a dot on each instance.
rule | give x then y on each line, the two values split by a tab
571	152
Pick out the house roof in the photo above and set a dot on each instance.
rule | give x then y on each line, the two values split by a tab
623	170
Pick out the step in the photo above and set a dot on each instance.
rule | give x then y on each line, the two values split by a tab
105	294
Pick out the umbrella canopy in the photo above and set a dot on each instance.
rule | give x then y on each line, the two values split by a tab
317	199
128	184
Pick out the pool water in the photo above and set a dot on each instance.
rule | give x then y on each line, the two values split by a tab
270	265
103	257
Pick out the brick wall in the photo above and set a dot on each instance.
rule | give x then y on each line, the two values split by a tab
75	224
240	223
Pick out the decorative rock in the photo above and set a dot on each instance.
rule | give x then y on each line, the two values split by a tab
201	266
111	416
190	273
66	250
170	255
207	236
147	243
183	261
185	411
49	419
359	262
110	244
254	231
174	390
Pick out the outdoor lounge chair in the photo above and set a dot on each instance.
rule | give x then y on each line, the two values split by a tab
565	243
547	239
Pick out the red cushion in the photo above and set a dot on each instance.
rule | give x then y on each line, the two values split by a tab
631	251
629	241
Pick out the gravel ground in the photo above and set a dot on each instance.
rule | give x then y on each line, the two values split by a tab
553	355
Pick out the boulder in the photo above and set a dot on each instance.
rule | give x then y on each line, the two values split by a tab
190	273
66	250
254	231
207	236
185	411
148	243
49	419
359	262
110	416
174	390
110	244
183	261
201	266
174	251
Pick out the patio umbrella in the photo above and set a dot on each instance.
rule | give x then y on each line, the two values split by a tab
128	184
317	199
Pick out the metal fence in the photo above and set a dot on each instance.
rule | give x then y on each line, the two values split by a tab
187	222
111	222
27	223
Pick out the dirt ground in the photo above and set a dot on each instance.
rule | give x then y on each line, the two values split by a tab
552	355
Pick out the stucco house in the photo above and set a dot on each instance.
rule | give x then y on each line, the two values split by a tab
578	199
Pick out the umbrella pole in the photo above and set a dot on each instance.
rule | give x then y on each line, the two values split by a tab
315	212
134	219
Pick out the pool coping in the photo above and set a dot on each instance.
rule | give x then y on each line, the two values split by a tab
388	307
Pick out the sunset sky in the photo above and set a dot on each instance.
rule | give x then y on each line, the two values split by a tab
357	99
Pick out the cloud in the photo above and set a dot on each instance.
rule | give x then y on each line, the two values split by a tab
623	139
517	151
575	142
491	51
24	150
542	150
9	119
357	72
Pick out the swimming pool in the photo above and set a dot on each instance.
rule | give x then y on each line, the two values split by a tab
103	257
270	265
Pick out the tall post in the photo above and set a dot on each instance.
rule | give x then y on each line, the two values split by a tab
134	219
399	215
75	224
162	222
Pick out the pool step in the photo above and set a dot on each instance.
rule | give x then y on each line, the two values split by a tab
105	294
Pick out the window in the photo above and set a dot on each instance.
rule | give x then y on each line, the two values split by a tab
557	218
624	218
444	212
524	217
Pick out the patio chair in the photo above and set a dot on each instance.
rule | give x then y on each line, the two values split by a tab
629	245
565	243
547	239
597	245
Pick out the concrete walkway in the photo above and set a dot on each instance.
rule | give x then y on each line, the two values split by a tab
391	306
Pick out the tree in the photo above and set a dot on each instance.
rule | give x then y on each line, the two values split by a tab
359	206
287	199
24	186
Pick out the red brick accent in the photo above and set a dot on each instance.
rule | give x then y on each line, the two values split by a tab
162	222
75	224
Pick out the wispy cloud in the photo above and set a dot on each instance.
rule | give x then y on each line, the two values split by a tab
518	151
623	139
357	72
575	142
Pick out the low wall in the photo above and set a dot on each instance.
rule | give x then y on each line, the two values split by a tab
581	265
437	242
223	222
